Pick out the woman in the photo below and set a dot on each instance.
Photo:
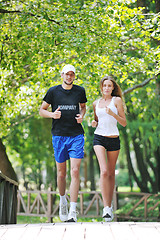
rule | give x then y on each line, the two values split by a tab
108	110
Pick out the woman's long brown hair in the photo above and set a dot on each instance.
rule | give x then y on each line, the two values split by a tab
116	91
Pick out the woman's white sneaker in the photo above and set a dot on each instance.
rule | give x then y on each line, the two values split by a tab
108	214
72	216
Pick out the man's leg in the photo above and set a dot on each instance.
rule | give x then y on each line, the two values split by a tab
61	183
75	179
74	188
61	177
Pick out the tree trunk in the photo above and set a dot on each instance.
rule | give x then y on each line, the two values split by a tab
142	3
141	165
129	162
85	172
90	154
5	165
157	4
128	157
157	154
91	166
39	174
147	156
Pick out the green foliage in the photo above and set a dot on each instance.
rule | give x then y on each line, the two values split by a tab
138	212
122	178
99	38
34	152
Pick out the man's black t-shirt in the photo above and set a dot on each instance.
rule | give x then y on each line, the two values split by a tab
68	101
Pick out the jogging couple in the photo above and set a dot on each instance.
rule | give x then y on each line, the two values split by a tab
68	102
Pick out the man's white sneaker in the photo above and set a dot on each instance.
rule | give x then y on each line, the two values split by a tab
63	212
108	214
72	216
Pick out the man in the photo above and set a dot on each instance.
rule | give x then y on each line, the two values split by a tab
68	102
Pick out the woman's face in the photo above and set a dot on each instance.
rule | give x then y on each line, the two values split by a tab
107	87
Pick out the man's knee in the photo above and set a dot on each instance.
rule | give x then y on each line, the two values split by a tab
61	175
75	172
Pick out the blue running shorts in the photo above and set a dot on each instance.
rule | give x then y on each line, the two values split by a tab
68	147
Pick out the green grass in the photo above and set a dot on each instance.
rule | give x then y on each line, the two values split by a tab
126	204
34	220
28	219
128	189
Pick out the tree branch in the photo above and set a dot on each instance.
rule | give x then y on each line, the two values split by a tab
6	11
22	120
31	14
1	53
145	82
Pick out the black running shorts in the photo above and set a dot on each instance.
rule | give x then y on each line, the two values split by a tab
110	144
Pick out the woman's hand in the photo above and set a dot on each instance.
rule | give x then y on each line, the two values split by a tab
109	111
94	123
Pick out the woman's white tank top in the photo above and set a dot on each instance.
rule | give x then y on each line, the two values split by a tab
107	125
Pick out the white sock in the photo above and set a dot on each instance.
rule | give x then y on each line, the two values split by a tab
73	206
63	200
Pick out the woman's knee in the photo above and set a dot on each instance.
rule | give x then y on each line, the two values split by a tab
107	174
104	173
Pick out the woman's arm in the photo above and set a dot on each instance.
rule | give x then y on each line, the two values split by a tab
95	121
121	118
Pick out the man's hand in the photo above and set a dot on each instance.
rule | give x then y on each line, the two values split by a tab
57	113
79	118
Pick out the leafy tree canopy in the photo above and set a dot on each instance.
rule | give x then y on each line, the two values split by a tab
98	37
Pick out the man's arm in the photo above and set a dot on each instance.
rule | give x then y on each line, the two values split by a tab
80	116
82	109
43	112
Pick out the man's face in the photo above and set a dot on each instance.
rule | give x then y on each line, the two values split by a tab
68	77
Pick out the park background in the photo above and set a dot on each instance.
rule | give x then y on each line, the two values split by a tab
119	38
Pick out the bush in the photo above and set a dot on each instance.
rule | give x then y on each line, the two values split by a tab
122	178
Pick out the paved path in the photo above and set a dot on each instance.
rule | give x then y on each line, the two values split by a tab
82	231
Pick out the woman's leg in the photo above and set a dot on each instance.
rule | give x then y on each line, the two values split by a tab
107	172
111	164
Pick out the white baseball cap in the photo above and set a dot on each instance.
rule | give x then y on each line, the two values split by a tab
68	68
